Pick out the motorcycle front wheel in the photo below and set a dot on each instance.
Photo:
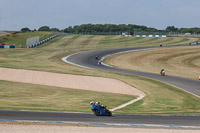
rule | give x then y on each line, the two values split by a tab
97	112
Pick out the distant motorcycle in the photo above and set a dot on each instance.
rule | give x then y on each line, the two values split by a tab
100	110
97	57
99	62
162	73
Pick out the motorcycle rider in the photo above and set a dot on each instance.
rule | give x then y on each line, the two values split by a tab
96	104
161	72
92	103
97	57
99	62
100	110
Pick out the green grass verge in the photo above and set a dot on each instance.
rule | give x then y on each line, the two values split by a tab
19	39
21	96
162	99
90	42
180	61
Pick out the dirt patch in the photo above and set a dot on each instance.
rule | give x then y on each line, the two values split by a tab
68	81
41	123
68	129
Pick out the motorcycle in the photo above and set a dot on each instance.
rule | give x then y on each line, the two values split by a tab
99	62
97	57
101	110
163	73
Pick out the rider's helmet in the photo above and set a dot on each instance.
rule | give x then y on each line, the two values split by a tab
97	103
92	102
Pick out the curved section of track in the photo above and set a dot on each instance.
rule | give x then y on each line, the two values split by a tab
87	59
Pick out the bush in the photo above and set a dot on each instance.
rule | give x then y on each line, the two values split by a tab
25	29
44	28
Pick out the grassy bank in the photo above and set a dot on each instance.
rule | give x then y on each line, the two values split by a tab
20	96
162	99
184	61
19	39
89	42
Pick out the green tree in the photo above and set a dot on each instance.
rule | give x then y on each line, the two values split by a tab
25	29
55	29
171	28
194	30
106	28
44	28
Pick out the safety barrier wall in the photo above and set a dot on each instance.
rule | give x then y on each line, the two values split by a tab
126	35
8	46
195	43
150	36
46	40
189	36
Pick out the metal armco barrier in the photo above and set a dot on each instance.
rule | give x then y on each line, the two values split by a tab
8	46
43	41
150	36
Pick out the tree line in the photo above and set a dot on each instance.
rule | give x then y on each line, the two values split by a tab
106	28
42	28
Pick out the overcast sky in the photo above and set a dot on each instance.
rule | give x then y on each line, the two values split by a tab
16	14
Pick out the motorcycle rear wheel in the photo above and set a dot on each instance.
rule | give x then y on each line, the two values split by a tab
109	113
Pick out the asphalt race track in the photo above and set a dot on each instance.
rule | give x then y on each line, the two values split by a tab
152	121
87	59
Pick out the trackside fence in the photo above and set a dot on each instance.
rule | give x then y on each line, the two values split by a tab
46	40
7	46
150	36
